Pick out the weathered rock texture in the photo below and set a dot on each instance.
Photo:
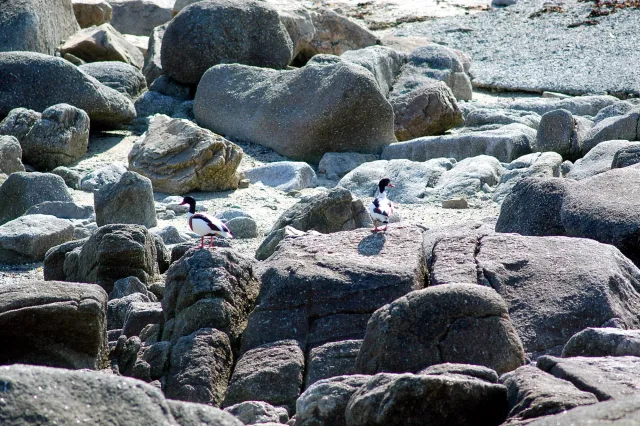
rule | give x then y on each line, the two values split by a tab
408	399
64	396
322	288
450	323
57	137
534	393
179	157
209	288
111	253
53	323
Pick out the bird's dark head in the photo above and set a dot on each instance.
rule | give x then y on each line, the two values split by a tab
384	183
191	202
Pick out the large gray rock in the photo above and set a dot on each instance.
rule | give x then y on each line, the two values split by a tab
611	413
129	201
318	278
52	323
434	62
588	210
614	110
533	207
102	176
270	373
614	128
152	68
27	238
324	402
179	157
92	12
23	190
102	398
603	342
118	75
451	399
559	131
411	179
209	288
256	412
26	79
506	144
111	253
537	164
102	43
59	137
461	318
605	377
599	159
533	393
337	164
10	155
428	110
140	17
283	175
553	287
249	33
340	99
35	25
200	367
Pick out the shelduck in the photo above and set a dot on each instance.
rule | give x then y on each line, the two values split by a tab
381	208
203	224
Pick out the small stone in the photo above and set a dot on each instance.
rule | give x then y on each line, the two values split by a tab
458	203
243	184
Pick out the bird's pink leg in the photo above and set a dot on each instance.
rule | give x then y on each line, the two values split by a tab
211	242
385	228
375	229
202	242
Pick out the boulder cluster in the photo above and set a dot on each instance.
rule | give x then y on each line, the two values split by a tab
505	291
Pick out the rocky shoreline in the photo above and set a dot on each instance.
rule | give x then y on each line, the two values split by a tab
506	290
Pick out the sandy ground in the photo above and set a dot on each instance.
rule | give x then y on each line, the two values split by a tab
381	16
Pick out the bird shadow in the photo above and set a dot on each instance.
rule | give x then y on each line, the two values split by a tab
372	245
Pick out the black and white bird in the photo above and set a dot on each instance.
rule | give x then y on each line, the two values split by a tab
205	225
381	208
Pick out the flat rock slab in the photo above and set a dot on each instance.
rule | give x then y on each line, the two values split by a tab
579	60
27	238
54	395
611	413
605	377
552	285
321	275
